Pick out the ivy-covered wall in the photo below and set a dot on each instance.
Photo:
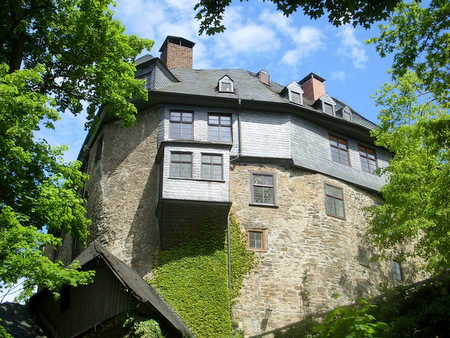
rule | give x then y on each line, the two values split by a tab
193	278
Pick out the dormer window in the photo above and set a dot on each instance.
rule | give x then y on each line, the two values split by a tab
294	93
295	97
347	114
327	108
226	85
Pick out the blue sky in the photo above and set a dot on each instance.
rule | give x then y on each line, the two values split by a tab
257	37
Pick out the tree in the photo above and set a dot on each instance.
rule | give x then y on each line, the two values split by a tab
415	127
340	12
55	55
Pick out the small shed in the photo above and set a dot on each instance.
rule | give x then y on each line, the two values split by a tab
97	309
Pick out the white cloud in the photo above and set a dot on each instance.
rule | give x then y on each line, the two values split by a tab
183	5
351	47
338	76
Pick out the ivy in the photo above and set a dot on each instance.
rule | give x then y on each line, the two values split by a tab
193	278
141	327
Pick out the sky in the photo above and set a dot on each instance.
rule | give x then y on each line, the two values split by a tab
257	37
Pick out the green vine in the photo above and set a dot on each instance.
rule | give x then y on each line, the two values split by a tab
193	277
141	327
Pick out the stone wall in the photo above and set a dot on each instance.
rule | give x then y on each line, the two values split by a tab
310	256
122	191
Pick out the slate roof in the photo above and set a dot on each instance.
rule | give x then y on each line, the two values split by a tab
203	82
144	292
18	321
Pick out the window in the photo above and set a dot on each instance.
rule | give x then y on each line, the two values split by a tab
346	114
295	97
181	165
397	271
148	81
226	85
368	159
334	201
212	167
180	125
256	240
363	257
219	127
327	108
99	150
263	189
339	150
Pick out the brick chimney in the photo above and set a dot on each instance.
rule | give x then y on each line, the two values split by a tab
313	86
177	52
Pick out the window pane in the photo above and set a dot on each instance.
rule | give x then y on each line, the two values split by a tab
257	179
206	158
344	157
186	170
186	117
268	180
339	208
217	172
258	194
186	131
214	133
185	157
216	159
206	171
213	119
331	209
225	135
175	170
174	130
175	116
225	120
268	195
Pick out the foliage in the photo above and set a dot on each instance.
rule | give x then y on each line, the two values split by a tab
340	12
193	278
84	51
415	127
54	55
242	260
3	332
37	189
141	327
420	310
344	321
417	196
419	38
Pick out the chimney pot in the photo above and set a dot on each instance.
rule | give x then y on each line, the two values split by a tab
313	86
177	52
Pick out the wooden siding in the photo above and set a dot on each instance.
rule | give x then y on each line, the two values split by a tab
88	305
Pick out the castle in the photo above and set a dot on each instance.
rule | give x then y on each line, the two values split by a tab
294	165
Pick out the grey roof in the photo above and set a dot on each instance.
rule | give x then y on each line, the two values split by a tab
204	82
18	321
131	280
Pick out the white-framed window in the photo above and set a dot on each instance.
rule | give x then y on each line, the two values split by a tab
226	85
295	97
212	167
